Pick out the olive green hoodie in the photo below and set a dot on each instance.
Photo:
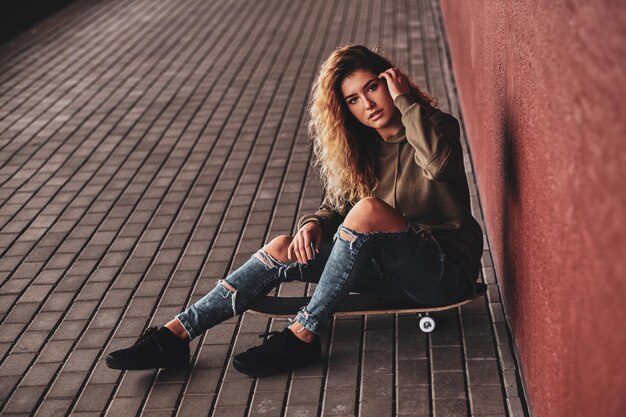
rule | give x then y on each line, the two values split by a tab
420	172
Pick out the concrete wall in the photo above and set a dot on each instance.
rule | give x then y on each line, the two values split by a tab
542	89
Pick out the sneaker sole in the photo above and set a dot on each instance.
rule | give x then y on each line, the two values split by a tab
119	365
258	374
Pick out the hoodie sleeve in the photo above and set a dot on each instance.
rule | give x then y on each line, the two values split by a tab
435	136
327	218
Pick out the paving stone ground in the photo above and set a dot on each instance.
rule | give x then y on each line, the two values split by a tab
149	148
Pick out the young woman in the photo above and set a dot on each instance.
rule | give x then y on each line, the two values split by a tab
396	206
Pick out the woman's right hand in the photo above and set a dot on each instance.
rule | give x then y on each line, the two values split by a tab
300	246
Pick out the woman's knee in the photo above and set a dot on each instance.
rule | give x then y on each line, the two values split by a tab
372	214
278	246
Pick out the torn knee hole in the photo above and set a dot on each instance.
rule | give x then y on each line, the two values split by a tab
346	236
229	287
233	294
261	256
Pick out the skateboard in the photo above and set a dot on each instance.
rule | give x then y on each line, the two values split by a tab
359	304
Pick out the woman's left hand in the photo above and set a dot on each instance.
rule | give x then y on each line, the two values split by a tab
397	83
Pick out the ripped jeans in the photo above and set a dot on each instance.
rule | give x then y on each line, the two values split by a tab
402	264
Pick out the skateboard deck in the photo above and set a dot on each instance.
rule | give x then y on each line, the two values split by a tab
354	305
359	304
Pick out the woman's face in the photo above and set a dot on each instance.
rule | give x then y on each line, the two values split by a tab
368	99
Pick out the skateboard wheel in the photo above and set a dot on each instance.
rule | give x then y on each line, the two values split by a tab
427	324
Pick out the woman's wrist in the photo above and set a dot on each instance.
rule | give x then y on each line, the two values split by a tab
312	223
403	102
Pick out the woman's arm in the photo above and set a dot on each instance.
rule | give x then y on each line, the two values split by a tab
327	218
326	222
435	136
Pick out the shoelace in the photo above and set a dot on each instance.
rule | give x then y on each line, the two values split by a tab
268	344
272	333
148	333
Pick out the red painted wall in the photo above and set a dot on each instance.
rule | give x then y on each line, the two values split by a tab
542	87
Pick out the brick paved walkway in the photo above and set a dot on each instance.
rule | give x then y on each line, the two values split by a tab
149	148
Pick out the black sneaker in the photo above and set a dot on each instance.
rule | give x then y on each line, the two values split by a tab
281	352
154	349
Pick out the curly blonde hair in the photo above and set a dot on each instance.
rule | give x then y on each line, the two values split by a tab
344	148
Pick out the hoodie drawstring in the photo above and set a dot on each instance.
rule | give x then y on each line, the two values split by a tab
395	178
